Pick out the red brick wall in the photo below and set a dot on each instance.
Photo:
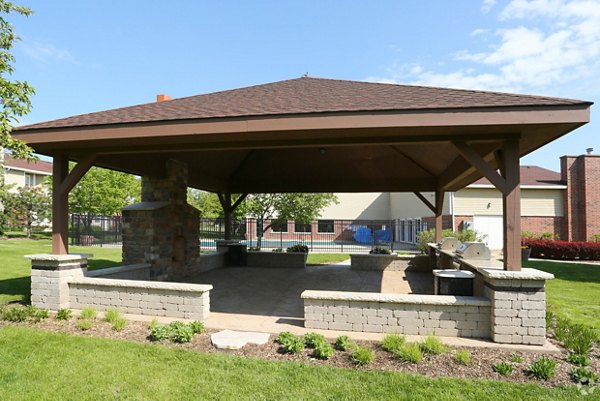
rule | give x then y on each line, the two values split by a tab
582	201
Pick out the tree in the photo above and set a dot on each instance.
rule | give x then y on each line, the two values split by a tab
14	95
300	207
206	202
103	192
27	207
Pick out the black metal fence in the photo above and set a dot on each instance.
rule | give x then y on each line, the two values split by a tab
320	236
102	231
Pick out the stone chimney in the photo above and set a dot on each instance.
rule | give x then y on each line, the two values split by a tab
582	198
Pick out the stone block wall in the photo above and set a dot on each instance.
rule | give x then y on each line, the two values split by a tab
397	313
188	301
390	262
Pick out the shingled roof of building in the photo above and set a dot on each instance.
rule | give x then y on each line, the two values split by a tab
532	176
305	95
39	166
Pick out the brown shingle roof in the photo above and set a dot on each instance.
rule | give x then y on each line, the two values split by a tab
305	95
38	166
532	175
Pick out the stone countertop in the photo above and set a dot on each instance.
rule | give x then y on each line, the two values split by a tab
162	285
395	298
58	258
494	269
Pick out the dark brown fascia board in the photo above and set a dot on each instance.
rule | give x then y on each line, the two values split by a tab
436	118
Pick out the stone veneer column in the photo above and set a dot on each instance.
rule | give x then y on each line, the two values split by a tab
518	305
49	278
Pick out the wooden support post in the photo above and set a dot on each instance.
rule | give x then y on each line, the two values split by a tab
60	206
511	205
439	209
228	210
62	183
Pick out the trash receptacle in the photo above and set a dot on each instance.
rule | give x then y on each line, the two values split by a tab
236	255
453	282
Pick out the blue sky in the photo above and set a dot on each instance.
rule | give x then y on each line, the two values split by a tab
84	56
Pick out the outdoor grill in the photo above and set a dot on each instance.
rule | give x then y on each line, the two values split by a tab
472	250
444	251
448	244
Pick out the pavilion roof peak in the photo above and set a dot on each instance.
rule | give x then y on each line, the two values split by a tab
306	95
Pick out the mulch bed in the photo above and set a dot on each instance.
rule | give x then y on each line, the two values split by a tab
443	365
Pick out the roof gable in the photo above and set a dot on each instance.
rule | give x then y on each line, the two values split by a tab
38	166
532	176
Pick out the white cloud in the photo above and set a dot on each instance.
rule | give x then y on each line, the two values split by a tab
487	5
46	52
541	45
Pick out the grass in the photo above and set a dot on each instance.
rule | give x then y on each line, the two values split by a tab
58	366
326	258
15	284
573	294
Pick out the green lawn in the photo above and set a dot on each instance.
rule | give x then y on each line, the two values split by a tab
326	258
575	292
15	283
50	366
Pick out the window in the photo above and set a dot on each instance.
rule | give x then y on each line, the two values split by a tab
325	226
279	226
302	227
29	180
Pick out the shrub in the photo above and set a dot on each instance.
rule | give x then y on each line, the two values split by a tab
153	323
197	327
549	319
362	356
119	323
583	376
542	368
253	248
323	350
563	250
432	345
112	315
88	313
64	314
380	251
516	358
393	342
293	345
410	353
36	314
284	336
276	250
580	339
311	340
14	314
181	332
160	332
462	356
577	359
503	368
344	343
562	329
84	324
298	248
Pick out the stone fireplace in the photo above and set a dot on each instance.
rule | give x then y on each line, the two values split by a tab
162	230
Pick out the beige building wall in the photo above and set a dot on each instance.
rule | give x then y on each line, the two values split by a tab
359	206
17	178
488	201
405	205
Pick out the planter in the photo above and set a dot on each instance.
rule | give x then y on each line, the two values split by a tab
525	254
390	262
295	260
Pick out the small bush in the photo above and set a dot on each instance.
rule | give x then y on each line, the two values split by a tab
362	356
284	336
253	249
380	251
410	353
36	314
427	236
432	345
111	315
15	314
119	323
583	376
563	250
542	368
88	313
503	368
550	316
293	345
580	339
298	248
64	314
197	327
463	357
153	323
393	342
160	332
276	250
84	324
344	343
516	358
311	340
577	359
561	331
323	350
181	332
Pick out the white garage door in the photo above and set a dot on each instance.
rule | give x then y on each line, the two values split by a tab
491	226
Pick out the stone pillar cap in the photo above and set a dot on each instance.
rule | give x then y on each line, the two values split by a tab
58	258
